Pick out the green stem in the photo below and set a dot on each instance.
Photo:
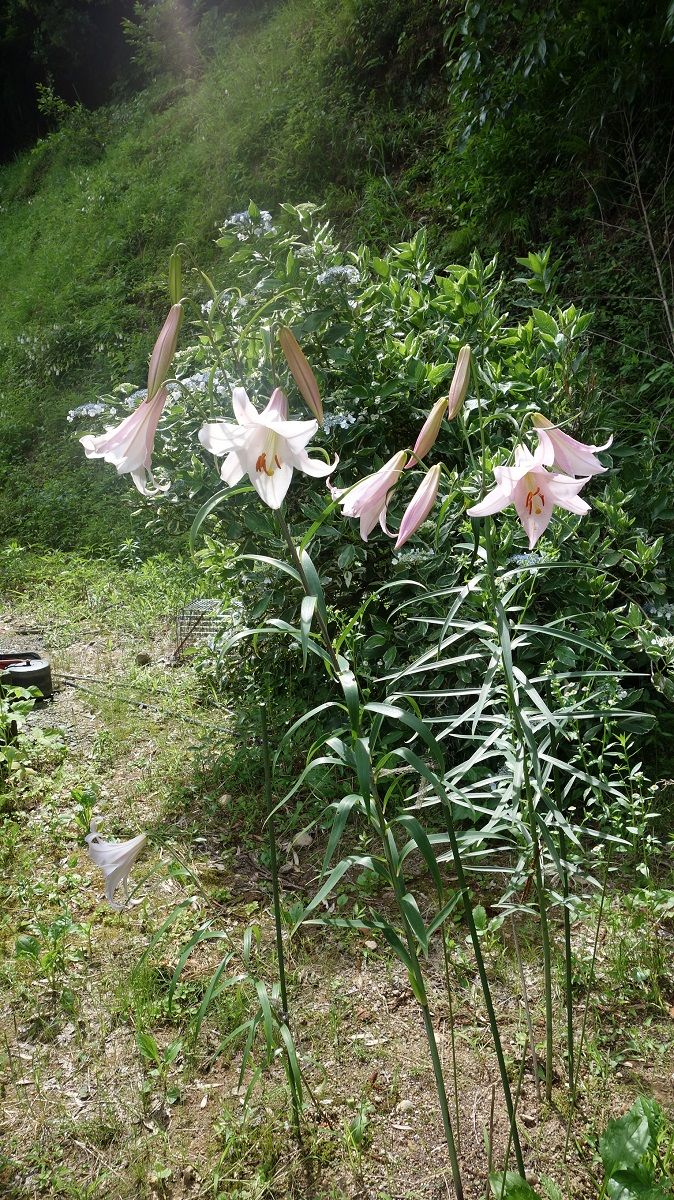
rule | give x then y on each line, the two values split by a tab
273	863
395	880
520	730
452	1035
545	931
422	999
527	1009
520	1079
327	640
484	981
568	969
576	1078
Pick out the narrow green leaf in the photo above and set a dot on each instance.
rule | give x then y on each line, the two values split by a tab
267	1015
330	883
277	563
415	920
420	841
314	582
306	617
342	809
211	505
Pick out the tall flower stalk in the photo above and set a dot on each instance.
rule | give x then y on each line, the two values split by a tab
393	865
280	954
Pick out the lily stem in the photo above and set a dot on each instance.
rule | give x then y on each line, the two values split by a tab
273	864
421	995
416	974
545	929
484	981
297	562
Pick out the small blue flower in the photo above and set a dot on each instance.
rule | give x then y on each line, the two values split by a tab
526	560
87	410
335	276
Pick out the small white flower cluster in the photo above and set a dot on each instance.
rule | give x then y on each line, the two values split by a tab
247	227
526	560
660	612
198	382
336	276
87	410
338	421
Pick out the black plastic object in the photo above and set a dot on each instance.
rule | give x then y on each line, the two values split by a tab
26	669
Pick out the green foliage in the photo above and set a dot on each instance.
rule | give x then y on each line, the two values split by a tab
20	745
632	1151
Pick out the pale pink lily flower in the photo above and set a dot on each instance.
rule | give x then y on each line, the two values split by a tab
265	446
164	349
420	505
571	456
130	444
369	498
429	431
533	490
115	860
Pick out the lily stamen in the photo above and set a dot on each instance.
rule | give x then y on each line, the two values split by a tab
531	496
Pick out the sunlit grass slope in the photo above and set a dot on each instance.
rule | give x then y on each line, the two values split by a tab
90	215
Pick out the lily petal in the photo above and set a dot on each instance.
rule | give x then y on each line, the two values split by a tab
569	455
420	505
115	859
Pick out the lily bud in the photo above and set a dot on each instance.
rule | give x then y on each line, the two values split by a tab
164	349
429	431
459	385
175	277
420	505
301	372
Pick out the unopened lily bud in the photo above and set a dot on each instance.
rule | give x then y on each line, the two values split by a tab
164	349
459	385
420	505
301	372
175	277
429	431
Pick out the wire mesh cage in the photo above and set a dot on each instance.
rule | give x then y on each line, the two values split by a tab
197	624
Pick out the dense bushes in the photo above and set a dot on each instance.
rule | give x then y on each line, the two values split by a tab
383	333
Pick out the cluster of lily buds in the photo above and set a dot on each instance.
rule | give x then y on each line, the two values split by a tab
369	498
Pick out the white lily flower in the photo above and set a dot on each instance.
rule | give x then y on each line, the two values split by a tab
533	490
571	456
265	446
115	860
130	444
